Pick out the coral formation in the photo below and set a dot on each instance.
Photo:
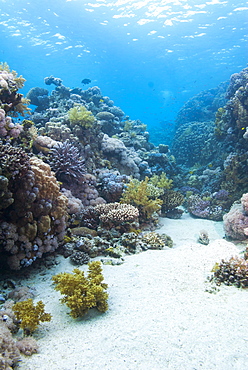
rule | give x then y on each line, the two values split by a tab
10	100
232	272
79	115
157	241
236	220
30	315
111	214
83	292
9	352
65	160
27	346
137	193
28	232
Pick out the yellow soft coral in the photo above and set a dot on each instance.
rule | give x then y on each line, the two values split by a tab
79	115
138	194
161	181
30	315
81	292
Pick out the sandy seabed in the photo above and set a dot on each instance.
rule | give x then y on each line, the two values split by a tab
163	312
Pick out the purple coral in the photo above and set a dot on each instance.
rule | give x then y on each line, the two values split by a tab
66	162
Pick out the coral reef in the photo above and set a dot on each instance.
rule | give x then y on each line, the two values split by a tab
28	232
113	214
65	160
83	292
9	352
137	193
10	100
232	272
79	115
157	241
236	220
30	315
204	208
171	200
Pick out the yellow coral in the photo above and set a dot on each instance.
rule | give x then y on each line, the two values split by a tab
161	181
30	315
137	193
79	115
81	292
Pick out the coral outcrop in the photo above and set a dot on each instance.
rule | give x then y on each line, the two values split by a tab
232	272
236	220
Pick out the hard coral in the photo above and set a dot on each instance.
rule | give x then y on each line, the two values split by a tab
232	272
28	232
81	292
10	100
236	220
66	162
116	213
79	115
30	315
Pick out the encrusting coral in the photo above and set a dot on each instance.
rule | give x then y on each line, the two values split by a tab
83	292
30	315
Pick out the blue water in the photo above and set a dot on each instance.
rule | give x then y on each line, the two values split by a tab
148	56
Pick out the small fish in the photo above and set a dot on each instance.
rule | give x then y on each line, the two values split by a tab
86	81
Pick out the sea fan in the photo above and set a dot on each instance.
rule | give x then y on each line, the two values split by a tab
65	160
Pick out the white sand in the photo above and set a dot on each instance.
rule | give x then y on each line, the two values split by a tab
162	314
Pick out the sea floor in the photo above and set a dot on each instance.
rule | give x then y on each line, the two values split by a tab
163	312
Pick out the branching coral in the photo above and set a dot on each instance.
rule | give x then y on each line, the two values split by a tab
137	193
116	213
79	115
66	162
81	292
30	315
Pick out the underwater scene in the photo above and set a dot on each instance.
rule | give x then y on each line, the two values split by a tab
123	185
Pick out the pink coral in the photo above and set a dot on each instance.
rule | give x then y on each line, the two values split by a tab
236	220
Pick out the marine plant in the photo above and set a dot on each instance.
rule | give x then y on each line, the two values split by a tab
137	193
79	115
30	315
83	292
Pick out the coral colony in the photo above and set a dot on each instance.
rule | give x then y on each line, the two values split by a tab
78	175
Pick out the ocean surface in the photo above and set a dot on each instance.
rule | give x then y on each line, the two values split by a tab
150	57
